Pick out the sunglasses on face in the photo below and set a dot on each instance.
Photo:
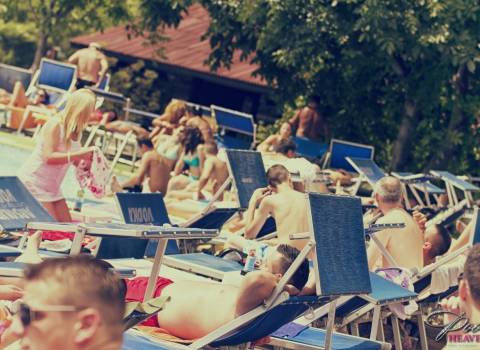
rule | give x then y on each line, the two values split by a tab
27	315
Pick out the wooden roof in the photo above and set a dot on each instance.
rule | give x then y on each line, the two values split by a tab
185	50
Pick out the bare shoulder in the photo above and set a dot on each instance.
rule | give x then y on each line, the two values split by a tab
394	216
52	127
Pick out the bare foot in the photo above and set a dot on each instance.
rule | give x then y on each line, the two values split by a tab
30	254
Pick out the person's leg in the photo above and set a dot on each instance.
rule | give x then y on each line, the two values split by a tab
62	213
18	99
177	182
186	193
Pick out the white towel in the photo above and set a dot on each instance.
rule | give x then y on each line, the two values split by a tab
446	276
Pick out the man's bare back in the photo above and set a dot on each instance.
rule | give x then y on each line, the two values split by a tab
154	171
310	123
405	245
290	212
89	64
219	173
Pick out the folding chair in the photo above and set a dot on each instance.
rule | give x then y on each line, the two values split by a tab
309	149
204	111
149	208
58	79
163	234
337	274
420	183
235	129
368	172
18	206
9	75
453	183
339	150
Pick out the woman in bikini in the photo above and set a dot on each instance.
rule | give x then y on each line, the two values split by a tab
57	148
192	158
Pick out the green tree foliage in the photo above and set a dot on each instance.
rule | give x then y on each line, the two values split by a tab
55	21
400	74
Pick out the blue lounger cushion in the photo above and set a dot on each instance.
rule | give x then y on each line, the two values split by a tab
271	320
316	337
134	342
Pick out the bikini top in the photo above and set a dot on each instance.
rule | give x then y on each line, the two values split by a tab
193	161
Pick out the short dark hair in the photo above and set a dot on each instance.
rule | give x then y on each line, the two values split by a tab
442	242
83	281
289	254
277	174
471	272
284	146
144	141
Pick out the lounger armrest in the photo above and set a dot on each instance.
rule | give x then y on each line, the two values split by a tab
302	235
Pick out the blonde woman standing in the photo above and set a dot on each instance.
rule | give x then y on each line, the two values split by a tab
58	147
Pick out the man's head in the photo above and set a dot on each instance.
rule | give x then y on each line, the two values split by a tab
469	287
279	259
437	241
286	147
277	175
70	303
211	148
145	144
95	45
388	192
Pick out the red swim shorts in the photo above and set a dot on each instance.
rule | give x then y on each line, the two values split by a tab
136	288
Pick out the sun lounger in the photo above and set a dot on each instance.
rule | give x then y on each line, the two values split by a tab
149	208
337	274
309	149
58	79
163	234
195	108
235	129
18	206
454	183
339	150
9	75
420	183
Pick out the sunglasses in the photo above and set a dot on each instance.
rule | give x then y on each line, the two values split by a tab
27	315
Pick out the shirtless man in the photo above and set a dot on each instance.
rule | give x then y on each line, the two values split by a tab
151	168
279	200
405	245
309	122
197	308
92	65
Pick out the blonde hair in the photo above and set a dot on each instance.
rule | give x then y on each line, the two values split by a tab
172	110
78	110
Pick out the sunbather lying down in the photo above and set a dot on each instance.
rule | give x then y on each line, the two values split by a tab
195	308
